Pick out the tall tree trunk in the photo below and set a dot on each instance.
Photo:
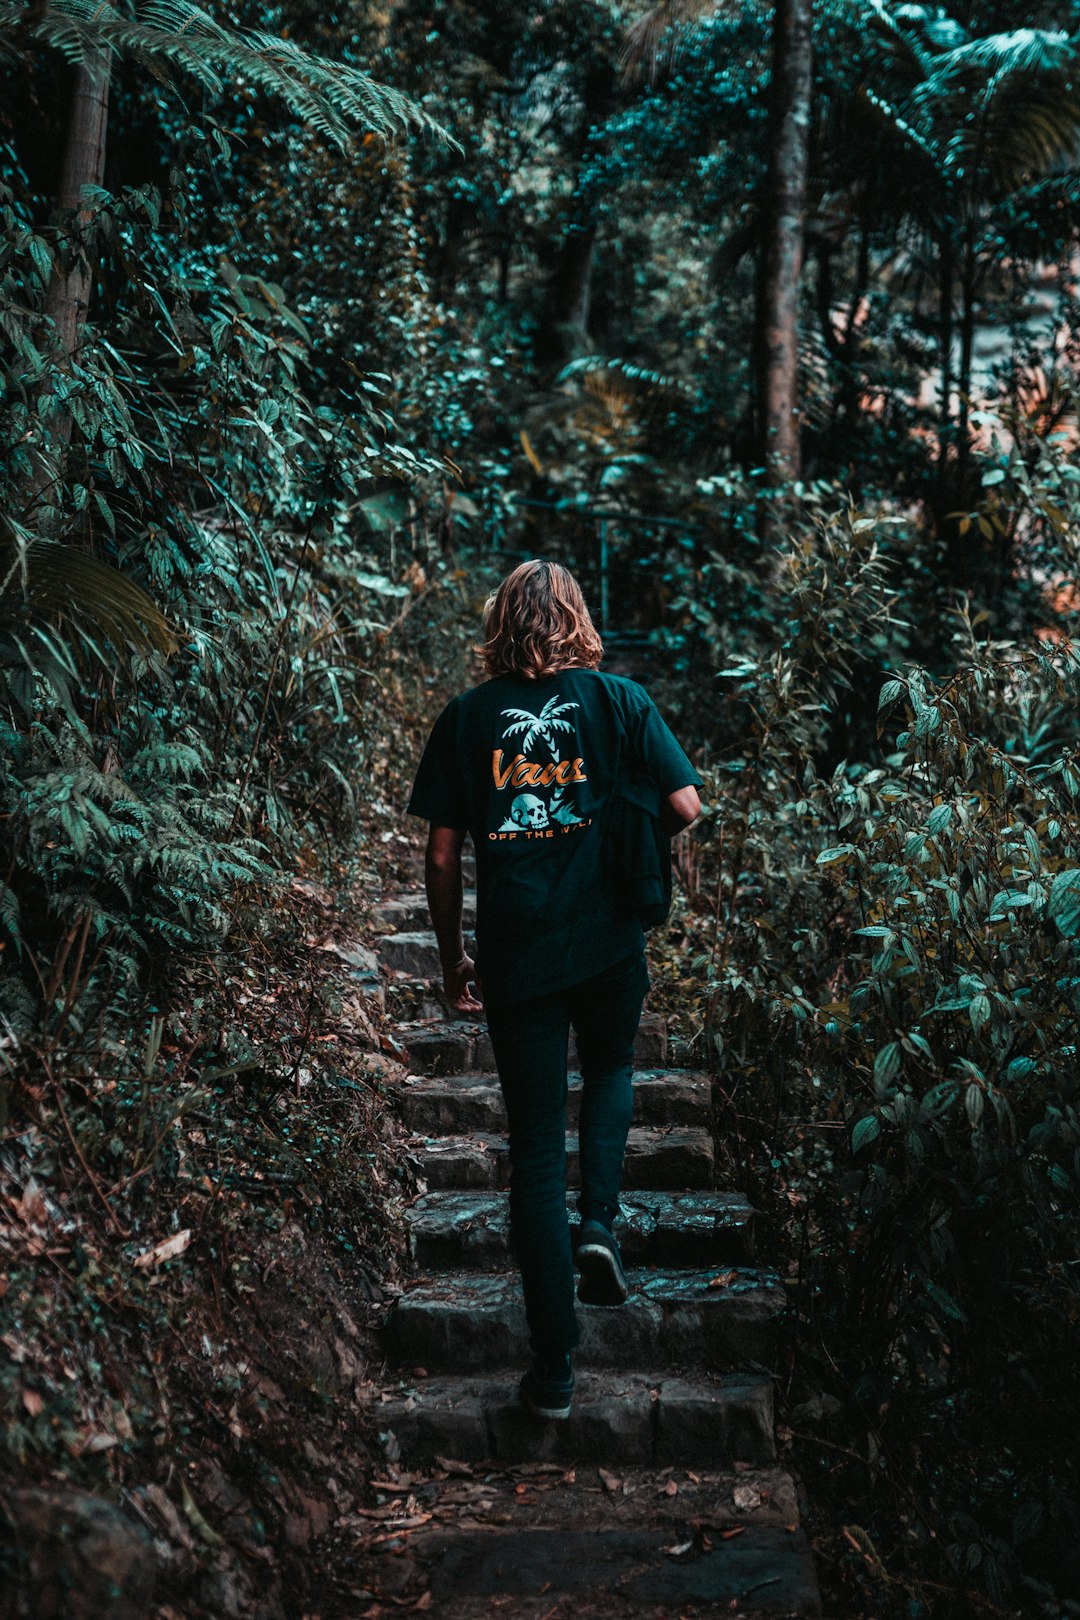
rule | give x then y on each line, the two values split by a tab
785	217
564	318
564	323
68	297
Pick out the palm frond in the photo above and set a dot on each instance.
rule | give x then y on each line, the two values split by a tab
335	97
1020	50
917	142
44	580
1021	89
649	45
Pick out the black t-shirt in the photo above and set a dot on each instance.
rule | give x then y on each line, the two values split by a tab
525	766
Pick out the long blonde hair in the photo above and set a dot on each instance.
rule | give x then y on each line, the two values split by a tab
537	623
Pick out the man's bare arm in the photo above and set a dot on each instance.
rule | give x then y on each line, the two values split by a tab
442	876
679	810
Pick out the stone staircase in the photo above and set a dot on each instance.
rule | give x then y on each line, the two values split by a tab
667	1500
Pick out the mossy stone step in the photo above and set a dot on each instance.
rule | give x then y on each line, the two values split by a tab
649	1419
471	1230
473	1102
717	1319
663	1158
408	913
764	1573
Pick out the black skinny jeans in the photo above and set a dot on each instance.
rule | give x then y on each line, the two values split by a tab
530	1043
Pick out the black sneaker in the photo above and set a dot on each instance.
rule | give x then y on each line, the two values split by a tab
547	1389
602	1280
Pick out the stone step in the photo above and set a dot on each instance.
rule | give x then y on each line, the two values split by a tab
471	1230
762	1572
616	1419
462	1046
410	1001
664	1158
471	1320
414	953
407	913
473	1102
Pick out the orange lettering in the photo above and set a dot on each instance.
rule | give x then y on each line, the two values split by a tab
501	776
578	773
524	774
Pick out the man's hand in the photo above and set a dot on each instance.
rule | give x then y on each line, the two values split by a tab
456	982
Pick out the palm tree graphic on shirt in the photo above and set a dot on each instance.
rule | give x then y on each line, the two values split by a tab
544	725
527	809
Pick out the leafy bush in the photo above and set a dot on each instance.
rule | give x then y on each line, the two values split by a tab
888	982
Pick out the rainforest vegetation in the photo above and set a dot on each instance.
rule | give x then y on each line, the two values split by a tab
313	320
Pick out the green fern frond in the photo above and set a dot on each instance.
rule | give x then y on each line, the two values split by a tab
335	97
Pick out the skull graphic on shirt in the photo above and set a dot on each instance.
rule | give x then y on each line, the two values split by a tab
527	814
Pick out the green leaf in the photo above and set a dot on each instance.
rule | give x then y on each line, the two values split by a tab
41	254
865	1131
1063	902
979	1012
887	1064
836	856
939	819
889	693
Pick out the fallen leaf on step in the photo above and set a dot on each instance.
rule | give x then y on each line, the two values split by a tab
31	1205
735	1530
679	1551
194	1517
670	1489
724	1279
610	1482
167	1249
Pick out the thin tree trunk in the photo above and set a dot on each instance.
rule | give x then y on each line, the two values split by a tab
967	343
68	297
789	136
946	272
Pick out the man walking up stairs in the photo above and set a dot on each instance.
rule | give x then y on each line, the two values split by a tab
571	785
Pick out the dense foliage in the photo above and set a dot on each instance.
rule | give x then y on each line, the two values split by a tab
355	308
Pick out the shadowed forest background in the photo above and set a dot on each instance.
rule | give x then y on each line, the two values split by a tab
313	321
